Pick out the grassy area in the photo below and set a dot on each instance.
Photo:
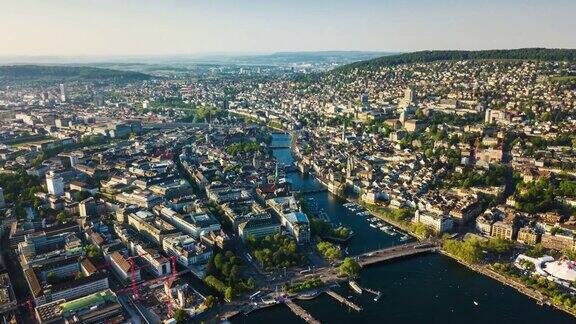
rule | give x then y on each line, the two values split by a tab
398	218
28	140
567	78
304	285
93	299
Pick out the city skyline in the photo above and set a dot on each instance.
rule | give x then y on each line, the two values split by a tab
151	28
253	161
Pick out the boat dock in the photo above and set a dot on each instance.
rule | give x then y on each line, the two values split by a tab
372	291
301	312
344	300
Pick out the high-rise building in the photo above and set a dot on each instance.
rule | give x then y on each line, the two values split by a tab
365	99
55	184
403	115
87	207
2	202
409	96
62	92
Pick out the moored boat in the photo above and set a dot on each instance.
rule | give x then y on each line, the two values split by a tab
355	287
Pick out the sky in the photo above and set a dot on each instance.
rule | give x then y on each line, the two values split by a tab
184	27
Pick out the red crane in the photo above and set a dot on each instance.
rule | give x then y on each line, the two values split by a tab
133	271
168	280
133	268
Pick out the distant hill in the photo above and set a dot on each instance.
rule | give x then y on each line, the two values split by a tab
283	58
44	73
540	54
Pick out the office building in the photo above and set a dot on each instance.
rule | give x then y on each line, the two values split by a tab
62	92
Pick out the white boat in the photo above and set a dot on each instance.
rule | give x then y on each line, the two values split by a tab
378	296
476	303
389	232
373	226
355	287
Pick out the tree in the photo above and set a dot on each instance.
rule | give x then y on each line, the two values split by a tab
349	268
211	267
209	302
180	316
536	251
329	251
250	283
218	261
92	251
62	217
229	294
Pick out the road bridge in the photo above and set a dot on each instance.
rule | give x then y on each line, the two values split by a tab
394	252
312	190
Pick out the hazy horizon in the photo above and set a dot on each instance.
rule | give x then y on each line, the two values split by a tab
146	28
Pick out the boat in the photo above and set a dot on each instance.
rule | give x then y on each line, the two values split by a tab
404	238
387	230
355	287
377	296
476	303
373	226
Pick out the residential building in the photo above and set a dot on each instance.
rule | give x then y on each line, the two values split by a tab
55	184
187	250
440	223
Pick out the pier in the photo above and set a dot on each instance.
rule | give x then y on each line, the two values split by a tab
372	291
301	312
344	300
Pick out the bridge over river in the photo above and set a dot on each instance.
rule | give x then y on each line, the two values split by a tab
395	252
330	274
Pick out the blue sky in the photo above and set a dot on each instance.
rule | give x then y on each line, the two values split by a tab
163	27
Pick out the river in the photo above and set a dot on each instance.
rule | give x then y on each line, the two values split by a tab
423	289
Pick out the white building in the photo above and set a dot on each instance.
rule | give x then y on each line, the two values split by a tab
55	184
62	92
440	223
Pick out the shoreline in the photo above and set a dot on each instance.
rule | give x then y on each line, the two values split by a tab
540	298
483	270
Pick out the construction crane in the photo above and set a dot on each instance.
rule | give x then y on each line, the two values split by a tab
134	285
168	284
